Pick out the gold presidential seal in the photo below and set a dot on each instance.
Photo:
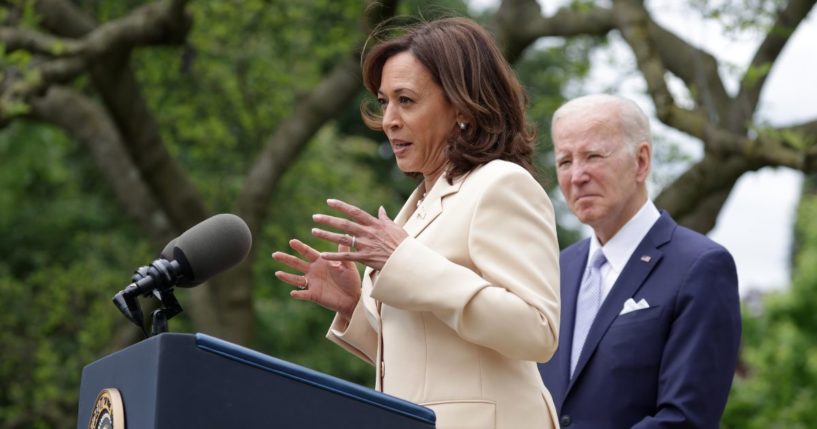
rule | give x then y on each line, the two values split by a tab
108	413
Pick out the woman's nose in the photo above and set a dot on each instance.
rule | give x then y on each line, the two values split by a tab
391	118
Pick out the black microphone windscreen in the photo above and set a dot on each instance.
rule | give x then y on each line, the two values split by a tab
212	246
167	252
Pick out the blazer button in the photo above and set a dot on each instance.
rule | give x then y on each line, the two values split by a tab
565	421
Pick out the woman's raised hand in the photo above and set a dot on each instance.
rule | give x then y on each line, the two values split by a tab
332	284
366	239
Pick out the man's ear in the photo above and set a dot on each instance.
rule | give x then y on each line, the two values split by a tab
643	159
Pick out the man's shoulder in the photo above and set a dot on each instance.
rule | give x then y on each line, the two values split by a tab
686	249
693	241
575	249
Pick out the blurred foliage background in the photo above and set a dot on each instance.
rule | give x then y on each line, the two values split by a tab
68	245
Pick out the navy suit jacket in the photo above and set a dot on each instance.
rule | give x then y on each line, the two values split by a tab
668	366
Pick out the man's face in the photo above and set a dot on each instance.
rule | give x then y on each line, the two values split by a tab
601	177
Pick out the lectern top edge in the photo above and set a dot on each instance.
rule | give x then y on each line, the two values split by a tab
314	378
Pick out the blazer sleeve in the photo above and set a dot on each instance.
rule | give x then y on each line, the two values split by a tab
700	356
510	301
357	336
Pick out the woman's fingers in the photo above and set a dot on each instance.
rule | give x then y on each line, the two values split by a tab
341	239
357	214
346	257
381	214
291	261
340	223
304	250
341	255
295	280
303	295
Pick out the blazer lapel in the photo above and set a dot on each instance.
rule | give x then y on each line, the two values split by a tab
414	220
370	275
407	209
644	259
428	208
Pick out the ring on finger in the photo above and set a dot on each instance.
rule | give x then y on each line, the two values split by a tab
306	283
354	240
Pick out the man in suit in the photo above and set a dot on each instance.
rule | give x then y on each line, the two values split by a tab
650	320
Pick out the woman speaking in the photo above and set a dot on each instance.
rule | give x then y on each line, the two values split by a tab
460	297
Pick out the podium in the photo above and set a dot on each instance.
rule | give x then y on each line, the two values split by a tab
197	381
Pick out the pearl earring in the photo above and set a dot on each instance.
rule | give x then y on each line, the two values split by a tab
462	125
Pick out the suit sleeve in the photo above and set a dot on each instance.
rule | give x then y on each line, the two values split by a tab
357	336
510	301
700	355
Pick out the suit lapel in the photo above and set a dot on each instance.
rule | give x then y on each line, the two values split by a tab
642	262
407	209
370	275
414	220
429	208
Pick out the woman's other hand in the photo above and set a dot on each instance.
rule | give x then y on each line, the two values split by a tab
332	284
367	239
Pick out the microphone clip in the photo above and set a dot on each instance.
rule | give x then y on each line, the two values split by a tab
157	279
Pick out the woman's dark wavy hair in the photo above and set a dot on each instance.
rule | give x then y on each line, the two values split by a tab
466	62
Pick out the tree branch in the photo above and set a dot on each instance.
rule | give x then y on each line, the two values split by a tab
695	198
63	18
696	67
172	189
232	291
14	39
113	78
164	22
633	22
755	77
88	124
156	23
519	23
794	146
332	94
808	128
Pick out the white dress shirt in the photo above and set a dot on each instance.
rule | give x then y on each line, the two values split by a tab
620	248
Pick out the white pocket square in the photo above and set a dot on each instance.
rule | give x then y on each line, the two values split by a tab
630	305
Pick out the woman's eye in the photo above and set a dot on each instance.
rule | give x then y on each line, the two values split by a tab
404	100
381	101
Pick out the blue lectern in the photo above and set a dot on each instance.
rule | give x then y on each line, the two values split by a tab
197	381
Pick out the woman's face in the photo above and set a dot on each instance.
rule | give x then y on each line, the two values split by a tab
417	117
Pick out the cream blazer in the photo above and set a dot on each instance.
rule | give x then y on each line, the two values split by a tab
464	308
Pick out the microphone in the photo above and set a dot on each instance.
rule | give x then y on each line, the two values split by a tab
212	246
167	251
206	249
166	254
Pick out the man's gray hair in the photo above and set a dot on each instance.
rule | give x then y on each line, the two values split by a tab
633	123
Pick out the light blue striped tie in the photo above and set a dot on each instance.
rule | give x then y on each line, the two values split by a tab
587	305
